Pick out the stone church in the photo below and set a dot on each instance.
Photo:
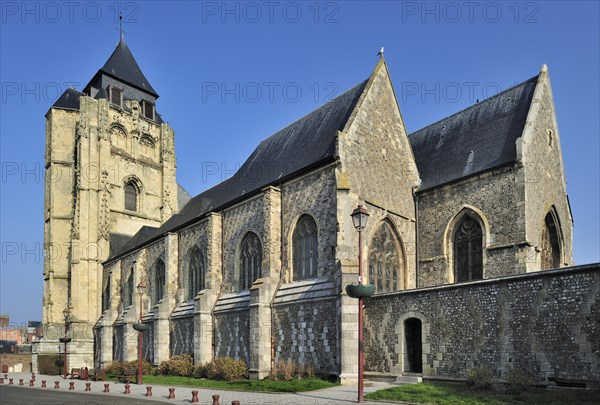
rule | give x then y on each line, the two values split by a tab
468	243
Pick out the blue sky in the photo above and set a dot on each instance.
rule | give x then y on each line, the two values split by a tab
230	74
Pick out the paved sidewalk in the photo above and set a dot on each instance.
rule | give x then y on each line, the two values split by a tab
183	395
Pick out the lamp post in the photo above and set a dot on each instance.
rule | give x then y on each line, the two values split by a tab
66	339
140	327
359	219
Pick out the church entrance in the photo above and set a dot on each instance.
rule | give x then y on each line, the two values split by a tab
413	356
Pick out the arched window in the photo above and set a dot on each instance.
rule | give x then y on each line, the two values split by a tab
385	260
196	273
159	281
106	295
127	295
468	254
250	260
550	244
131	196
305	251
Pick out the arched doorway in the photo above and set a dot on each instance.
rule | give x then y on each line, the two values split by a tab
413	344
550	243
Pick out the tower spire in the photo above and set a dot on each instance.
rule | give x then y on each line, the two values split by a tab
121	32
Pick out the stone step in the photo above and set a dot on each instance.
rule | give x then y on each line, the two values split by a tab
408	379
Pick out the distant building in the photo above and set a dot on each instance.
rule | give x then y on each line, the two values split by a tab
12	332
34	330
8	346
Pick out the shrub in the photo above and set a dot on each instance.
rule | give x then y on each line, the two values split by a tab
480	379
50	364
147	368
116	367
309	372
200	371
181	365
286	370
283	370
226	368
518	381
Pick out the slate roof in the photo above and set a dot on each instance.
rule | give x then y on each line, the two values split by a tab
183	197
307	143
145	233
473	140
117	241
122	65
69	100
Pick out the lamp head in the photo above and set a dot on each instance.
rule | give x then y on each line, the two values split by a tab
141	288
359	217
66	313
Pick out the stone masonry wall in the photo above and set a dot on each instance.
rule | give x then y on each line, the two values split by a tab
97	346
545	185
232	335
493	196
193	236
305	333
237	221
118	343
148	343
182	336
377	170
313	194
377	160
154	252
546	324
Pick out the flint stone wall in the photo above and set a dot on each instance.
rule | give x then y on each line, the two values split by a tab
306	333
118	339
494	194
546	324
148	343
232	335
182	336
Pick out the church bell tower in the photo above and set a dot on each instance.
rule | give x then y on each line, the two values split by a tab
110	169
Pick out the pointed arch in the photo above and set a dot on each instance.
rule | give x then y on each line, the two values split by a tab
250	260
466	238
127	290
196	272
131	196
132	192
551	241
305	248
386	258
106	294
158	282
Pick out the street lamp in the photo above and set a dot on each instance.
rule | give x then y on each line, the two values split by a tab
140	327
360	291
66	339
